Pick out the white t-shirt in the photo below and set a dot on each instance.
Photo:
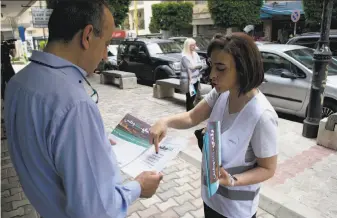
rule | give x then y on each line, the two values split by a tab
263	143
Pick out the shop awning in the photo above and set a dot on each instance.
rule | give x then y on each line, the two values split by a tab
269	10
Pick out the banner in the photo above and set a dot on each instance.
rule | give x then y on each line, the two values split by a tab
40	17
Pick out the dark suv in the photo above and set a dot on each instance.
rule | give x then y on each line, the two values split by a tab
150	59
310	40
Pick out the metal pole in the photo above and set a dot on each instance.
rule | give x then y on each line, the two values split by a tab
135	15
322	57
295	26
44	36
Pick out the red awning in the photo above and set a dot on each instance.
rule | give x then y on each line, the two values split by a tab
119	34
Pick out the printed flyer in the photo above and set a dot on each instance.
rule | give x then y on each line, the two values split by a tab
134	152
212	150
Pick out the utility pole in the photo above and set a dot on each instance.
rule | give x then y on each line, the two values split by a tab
135	16
322	57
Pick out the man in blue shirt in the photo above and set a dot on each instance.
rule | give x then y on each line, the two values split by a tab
55	132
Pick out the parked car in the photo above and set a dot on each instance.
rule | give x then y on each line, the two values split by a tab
150	59
310	40
111	62
288	75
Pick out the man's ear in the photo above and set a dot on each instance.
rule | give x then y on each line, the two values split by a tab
87	35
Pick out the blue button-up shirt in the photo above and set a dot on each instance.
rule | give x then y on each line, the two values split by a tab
58	144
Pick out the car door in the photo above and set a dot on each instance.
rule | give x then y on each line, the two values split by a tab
285	93
123	57
144	61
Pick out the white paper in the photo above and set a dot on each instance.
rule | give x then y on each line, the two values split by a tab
125	151
149	160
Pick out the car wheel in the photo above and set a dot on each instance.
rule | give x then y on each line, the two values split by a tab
329	107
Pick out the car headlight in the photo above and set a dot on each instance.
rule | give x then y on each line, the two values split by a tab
175	66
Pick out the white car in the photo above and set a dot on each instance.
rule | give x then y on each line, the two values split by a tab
288	75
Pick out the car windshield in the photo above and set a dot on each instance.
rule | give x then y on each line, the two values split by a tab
163	48
305	57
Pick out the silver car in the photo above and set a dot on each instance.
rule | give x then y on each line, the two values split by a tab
288	75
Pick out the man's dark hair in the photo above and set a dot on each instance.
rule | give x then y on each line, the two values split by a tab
247	57
71	16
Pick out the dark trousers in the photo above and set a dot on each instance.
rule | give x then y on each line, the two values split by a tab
190	99
210	213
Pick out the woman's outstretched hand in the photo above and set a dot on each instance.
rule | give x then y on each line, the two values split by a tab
157	133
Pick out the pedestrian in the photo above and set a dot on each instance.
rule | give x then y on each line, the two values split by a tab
56	135
7	72
248	127
190	72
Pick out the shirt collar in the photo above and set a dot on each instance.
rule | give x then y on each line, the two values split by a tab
54	61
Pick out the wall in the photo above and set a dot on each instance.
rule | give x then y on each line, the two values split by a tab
146	8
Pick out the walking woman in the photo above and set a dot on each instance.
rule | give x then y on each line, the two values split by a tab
190	72
248	127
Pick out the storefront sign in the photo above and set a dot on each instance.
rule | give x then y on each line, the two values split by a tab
40	17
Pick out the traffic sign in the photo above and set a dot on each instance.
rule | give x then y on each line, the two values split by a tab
295	16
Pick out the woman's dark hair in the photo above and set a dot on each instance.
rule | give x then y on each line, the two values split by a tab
247	57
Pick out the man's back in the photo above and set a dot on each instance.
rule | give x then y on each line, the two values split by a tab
36	100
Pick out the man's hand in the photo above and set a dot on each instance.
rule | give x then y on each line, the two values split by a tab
149	182
112	142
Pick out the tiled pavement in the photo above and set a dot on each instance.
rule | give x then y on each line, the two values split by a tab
179	192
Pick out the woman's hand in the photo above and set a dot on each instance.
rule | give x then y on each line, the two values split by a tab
225	178
157	133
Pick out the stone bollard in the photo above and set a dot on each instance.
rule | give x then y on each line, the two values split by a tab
327	132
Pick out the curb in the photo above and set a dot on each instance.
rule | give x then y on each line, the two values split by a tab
274	202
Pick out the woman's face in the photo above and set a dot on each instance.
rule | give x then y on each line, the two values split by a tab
192	47
223	73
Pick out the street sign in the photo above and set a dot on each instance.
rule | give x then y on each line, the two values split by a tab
295	16
40	17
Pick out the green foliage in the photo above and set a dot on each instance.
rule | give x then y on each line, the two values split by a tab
235	13
154	27
120	9
42	44
172	16
313	13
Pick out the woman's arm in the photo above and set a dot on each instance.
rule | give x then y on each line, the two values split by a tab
265	170
264	145
189	119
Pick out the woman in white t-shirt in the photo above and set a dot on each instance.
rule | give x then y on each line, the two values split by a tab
248	126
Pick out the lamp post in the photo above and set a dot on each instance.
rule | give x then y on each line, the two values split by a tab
322	57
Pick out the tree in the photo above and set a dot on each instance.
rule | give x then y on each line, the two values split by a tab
235	13
154	27
120	8
313	14
171	16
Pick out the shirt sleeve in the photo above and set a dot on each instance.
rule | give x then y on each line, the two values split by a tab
186	63
87	166
211	98
264	139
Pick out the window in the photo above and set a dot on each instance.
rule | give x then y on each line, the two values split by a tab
164	48
121	49
305	57
333	46
133	50
274	64
307	42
